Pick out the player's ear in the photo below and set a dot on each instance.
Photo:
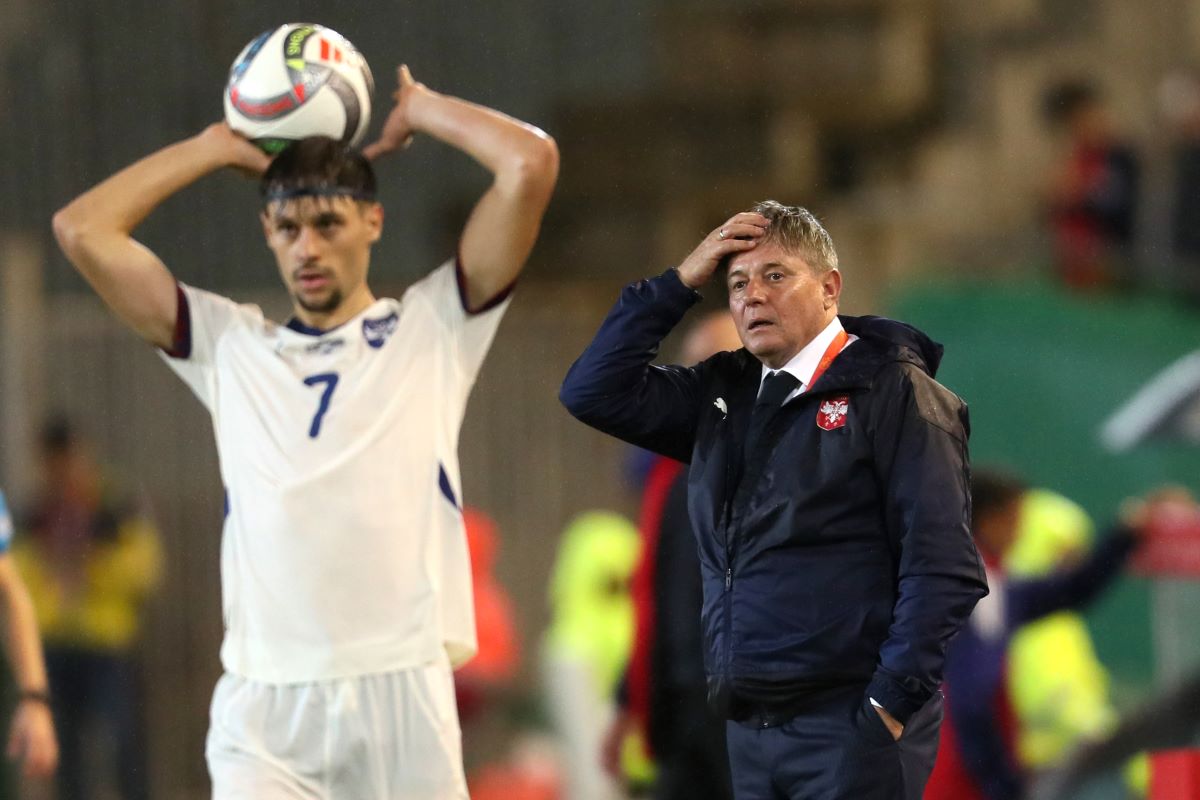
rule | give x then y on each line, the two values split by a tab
265	219
373	214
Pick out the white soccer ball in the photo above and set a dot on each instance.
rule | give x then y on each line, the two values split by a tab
299	80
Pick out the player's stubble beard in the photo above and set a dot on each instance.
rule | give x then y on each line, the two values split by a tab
326	306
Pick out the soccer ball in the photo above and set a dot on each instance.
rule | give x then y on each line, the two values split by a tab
295	81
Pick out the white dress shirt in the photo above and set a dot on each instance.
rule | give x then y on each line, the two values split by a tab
804	364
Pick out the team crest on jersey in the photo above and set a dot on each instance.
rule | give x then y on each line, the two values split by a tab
832	413
377	331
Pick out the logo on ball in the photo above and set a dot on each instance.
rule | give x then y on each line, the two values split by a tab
299	80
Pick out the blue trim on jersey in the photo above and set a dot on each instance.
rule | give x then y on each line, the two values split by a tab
299	327
296	325
226	502
6	525
444	485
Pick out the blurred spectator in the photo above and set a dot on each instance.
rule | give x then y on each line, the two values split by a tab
587	645
1057	685
483	687
1168	721
977	757
1179	99
530	772
31	735
496	661
665	691
1093	197
90	559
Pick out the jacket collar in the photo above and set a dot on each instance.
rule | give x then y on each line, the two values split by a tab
880	341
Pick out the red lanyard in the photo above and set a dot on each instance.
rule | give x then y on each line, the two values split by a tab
831	353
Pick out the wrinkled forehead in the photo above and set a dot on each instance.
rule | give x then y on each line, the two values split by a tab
765	255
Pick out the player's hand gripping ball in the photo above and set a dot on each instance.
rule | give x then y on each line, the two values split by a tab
295	81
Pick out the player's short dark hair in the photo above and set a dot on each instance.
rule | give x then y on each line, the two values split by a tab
1062	101
318	167
798	231
993	489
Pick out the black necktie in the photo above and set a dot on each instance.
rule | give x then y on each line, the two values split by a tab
775	389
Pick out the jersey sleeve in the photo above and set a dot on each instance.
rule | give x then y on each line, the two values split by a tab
6	526
470	333
201	320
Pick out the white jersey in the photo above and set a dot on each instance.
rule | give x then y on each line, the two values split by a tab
344	551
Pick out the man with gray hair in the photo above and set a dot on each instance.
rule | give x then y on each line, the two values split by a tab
828	494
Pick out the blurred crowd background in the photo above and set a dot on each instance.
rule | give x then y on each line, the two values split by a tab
1019	178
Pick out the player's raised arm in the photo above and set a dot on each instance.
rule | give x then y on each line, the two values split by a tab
523	160
95	230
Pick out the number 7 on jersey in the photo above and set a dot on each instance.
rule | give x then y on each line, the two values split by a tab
330	379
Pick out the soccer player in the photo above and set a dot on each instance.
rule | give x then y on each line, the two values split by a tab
344	565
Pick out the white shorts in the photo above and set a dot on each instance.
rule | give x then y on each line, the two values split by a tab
392	736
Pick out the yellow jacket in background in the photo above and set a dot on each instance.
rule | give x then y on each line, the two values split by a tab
104	614
1056	683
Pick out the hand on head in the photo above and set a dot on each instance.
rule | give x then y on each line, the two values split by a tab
235	150
739	233
397	132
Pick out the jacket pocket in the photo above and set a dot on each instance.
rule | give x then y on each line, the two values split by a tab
873	726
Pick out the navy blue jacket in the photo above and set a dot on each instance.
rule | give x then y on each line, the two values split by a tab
829	557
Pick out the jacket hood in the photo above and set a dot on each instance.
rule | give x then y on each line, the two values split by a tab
921	350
